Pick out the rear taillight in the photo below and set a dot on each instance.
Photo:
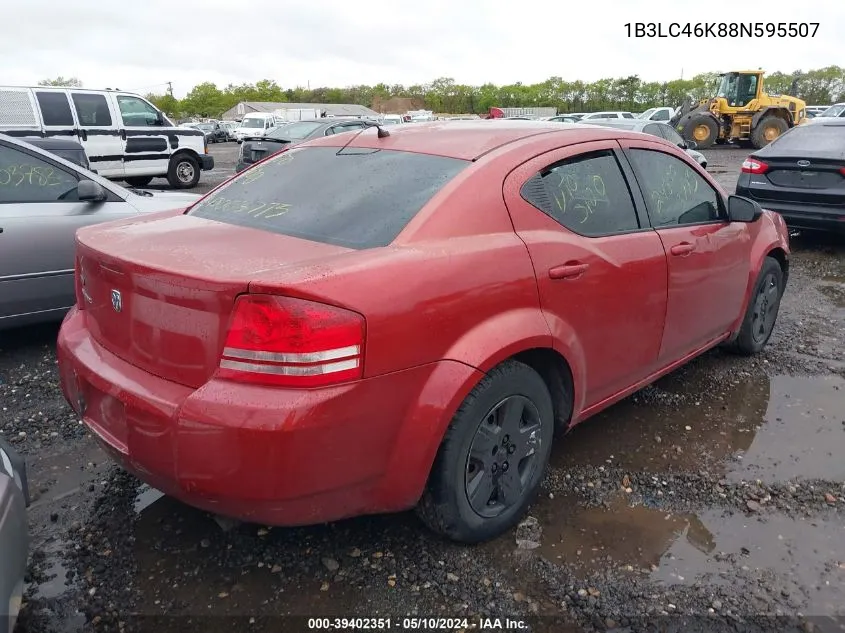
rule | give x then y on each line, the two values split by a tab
754	166
291	342
842	171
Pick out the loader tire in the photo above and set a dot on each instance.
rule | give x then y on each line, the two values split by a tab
767	130
701	129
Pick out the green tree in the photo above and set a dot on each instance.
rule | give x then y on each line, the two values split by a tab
205	100
70	82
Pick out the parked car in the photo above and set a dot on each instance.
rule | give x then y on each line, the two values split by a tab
660	130
377	343
229	128
214	132
253	149
44	199
256	124
392	119
14	535
125	136
657	114
835	111
607	115
814	110
801	175
563	118
67	149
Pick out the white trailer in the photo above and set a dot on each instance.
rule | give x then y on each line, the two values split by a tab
297	114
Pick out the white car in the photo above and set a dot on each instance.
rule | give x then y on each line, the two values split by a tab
662	113
837	110
256	124
616	114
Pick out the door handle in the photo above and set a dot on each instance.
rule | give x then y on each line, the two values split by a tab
570	270
682	249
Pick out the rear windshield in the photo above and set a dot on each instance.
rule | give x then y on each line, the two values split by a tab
357	198
816	137
252	123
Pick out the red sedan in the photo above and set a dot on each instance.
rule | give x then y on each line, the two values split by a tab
369	323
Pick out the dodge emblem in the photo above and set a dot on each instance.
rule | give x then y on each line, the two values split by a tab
116	300
803	163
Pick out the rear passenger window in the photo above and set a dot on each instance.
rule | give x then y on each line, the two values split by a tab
627	115
92	109
675	193
55	109
27	178
587	194
325	195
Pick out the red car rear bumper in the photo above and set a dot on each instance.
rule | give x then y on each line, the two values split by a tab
266	455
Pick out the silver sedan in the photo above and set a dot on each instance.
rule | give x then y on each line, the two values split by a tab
44	199
14	538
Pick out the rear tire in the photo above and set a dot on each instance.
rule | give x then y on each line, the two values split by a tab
702	129
493	457
139	181
767	130
762	312
184	172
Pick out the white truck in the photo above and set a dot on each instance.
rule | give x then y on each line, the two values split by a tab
297	114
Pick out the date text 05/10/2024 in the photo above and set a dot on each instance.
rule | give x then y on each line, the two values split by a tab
417	624
721	29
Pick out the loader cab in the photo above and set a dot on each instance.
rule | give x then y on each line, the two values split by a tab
740	88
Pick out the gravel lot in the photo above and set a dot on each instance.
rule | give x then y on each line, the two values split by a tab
714	497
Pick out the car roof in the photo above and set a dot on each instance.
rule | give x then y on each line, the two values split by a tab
52	142
21	142
469	140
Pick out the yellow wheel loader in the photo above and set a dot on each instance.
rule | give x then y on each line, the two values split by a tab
740	112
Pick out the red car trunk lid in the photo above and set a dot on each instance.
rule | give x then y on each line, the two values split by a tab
159	294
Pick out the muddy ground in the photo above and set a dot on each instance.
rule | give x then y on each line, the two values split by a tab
713	497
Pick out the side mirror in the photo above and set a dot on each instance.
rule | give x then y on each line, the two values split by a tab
742	209
690	145
90	191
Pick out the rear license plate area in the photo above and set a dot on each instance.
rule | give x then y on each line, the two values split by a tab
106	413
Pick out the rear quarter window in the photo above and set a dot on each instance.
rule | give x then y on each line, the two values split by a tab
357	198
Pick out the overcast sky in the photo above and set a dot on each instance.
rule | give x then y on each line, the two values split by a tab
140	46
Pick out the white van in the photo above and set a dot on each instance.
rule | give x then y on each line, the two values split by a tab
256	124
124	135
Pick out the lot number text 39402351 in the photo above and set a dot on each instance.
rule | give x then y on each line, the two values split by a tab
722	29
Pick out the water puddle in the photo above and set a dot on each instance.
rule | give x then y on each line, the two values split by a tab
781	428
55	573
804	560
803	434
808	557
622	537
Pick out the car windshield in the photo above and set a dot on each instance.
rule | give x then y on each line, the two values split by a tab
817	138
252	123
835	110
205	126
320	194
294	131
647	113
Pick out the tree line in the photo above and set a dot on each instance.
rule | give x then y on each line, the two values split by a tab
820	86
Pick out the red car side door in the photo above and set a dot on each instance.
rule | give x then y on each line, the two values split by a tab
709	257
601	270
